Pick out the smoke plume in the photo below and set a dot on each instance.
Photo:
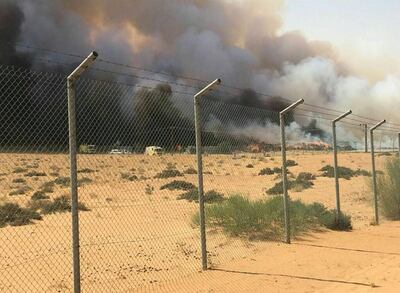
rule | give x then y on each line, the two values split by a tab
239	41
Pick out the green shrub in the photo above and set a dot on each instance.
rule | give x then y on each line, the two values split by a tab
305	176
14	215
59	204
343	172
178	185
264	219
209	197
298	185
39	195
388	186
266	171
168	173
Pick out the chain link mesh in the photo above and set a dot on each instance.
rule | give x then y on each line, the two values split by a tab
137	180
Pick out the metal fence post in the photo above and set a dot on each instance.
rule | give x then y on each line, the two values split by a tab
71	83
366	137
374	171
197	119
284	172
335	163
398	140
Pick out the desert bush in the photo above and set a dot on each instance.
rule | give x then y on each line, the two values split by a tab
61	204
47	187
14	215
35	174
291	163
86	170
178	185
249	166
298	185
343	172
305	176
84	180
209	197
277	170
264	219
149	189
266	171
39	195
388	186
20	170
168	173
19	180
129	177
20	191
63	181
190	171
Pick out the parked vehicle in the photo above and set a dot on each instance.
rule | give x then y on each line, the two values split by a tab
153	150
116	152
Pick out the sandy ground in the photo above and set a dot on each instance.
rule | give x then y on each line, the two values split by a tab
138	236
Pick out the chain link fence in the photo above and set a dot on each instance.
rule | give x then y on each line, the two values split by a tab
138	182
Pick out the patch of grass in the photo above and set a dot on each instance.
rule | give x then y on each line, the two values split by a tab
384	154
14	215
20	191
63	181
20	170
35	174
266	171
39	195
47	187
343	172
61	204
149	189
306	176
84	180
264	219
190	171
178	185
168	173
209	197
299	184
129	177
86	170
19	180
388	186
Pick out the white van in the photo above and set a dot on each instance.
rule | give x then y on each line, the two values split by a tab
153	150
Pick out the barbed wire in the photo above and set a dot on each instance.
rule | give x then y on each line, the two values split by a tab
334	112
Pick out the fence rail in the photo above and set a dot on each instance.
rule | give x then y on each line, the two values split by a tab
142	193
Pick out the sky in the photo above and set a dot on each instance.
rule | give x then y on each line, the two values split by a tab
365	33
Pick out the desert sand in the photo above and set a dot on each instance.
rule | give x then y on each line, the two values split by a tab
138	237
